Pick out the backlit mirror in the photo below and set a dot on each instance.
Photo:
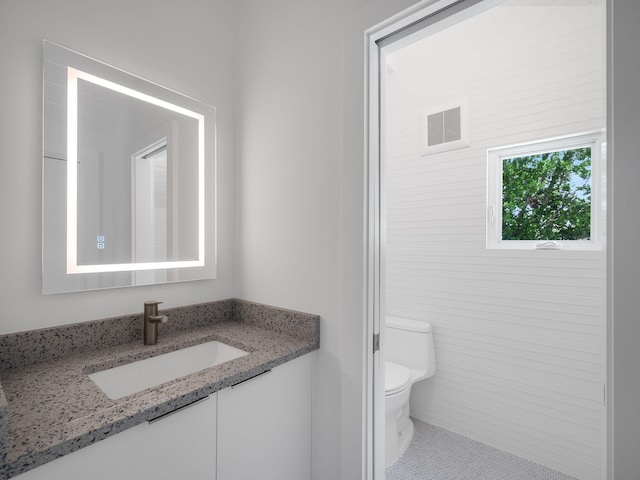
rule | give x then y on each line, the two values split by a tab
128	179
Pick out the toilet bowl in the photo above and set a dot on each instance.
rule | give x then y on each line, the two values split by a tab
409	357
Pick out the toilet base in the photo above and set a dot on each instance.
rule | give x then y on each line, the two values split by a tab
398	427
404	439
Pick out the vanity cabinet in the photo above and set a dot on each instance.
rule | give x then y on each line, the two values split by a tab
181	444
264	425
260	428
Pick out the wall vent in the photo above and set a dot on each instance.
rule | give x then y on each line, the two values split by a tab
445	129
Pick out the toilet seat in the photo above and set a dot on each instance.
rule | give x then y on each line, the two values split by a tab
396	378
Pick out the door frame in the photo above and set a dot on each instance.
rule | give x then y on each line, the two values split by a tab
397	30
374	223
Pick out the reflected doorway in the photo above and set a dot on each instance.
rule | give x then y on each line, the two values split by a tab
151	215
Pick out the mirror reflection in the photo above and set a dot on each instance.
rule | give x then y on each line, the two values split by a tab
124	178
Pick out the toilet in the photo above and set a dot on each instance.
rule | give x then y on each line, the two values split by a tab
409	357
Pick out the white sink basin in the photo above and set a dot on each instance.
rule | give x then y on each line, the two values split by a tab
134	377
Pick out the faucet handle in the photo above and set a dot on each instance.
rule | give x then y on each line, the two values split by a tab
150	303
158	319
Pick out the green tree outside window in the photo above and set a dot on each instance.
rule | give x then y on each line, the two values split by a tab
547	196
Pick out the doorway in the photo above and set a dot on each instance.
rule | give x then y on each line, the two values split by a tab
519	323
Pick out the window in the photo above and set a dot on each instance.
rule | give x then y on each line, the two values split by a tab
445	128
545	195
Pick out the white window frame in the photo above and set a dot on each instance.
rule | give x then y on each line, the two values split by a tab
495	157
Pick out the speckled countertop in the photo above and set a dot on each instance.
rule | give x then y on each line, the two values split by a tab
50	407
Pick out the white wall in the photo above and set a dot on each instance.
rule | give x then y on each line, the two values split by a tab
519	335
289	160
181	45
301	176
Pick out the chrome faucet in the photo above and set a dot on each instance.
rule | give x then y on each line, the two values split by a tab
151	321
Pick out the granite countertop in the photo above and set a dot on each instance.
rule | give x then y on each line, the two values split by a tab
52	407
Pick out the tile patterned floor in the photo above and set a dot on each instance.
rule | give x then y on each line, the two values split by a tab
438	454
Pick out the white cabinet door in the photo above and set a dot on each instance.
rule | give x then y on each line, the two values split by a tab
264	425
179	445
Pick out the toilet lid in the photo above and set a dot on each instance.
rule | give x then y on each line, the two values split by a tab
396	378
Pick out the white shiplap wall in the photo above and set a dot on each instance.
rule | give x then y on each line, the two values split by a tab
519	335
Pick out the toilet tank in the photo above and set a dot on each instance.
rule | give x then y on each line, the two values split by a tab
409	342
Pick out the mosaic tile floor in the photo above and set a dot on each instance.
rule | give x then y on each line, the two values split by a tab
438	454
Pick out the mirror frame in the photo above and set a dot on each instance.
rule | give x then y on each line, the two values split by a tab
82	67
